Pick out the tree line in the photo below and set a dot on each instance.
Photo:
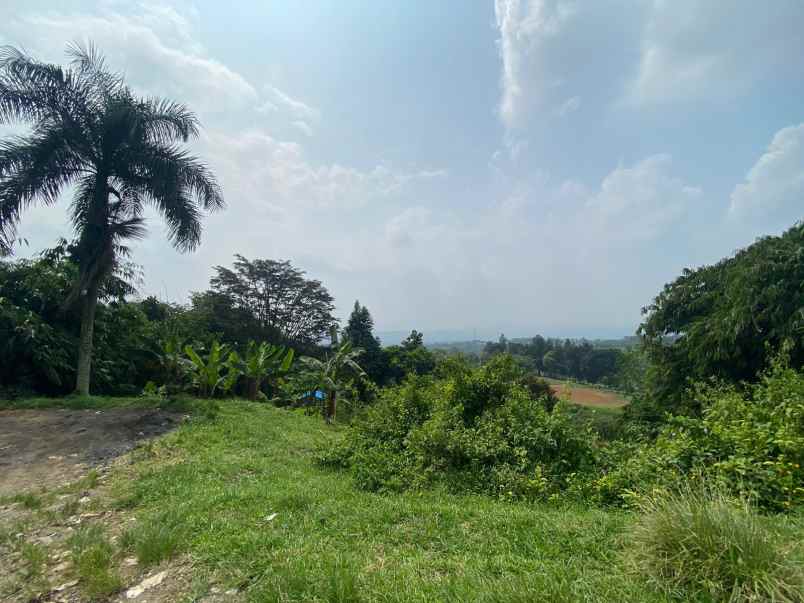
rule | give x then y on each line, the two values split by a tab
562	358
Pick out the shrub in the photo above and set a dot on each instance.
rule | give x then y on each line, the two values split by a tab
475	430
704	544
751	441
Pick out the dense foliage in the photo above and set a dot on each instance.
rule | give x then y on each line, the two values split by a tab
725	320
475	429
562	358
39	335
117	152
269	300
749	440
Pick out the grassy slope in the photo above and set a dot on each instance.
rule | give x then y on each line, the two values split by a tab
215	483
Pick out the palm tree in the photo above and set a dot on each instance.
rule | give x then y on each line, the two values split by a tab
116	151
330	374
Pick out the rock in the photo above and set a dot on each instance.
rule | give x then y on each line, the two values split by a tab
136	591
84	500
62	566
65	586
231	592
130	561
271	517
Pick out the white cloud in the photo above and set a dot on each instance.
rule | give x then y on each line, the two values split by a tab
293	106
524	32
412	223
258	166
303	127
774	186
151	46
713	50
301	116
641	202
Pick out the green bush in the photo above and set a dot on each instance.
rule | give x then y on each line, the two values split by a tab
702	544
750	440
475	430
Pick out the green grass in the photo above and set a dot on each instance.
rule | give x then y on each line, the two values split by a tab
28	500
607	422
93	557
225	479
75	402
707	545
237	490
155	540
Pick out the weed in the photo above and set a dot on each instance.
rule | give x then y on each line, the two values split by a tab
28	500
93	559
155	540
704	543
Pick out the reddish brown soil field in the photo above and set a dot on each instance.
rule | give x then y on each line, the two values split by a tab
588	396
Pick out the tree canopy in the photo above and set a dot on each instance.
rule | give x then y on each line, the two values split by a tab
117	152
726	320
277	299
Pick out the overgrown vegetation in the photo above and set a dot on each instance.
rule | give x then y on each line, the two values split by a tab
703	544
470	480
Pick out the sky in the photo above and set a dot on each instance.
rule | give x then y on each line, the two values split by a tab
463	168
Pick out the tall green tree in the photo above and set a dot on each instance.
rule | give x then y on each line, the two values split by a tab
726	320
277	300
359	331
119	153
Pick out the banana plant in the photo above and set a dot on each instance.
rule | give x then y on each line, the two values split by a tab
218	372
173	361
263	360
331	374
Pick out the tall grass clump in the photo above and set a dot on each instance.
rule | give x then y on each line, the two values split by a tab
702	543
93	556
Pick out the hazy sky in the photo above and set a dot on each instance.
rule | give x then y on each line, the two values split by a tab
518	166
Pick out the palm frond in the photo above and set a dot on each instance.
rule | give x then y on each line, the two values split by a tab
165	121
33	168
178	185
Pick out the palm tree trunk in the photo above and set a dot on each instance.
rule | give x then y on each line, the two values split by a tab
88	306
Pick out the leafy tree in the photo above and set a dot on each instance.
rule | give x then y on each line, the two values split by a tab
213	315
38	338
359	331
721	320
413	341
275	299
409	358
154	309
118	152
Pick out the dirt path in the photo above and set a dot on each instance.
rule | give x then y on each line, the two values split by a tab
46	459
50	448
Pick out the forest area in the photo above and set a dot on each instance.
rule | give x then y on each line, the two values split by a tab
299	459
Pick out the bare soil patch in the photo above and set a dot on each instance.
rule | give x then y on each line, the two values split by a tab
589	396
51	448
